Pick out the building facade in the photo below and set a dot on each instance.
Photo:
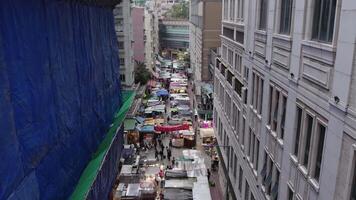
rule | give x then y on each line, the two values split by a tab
138	34
124	33
173	34
151	32
285	99
204	28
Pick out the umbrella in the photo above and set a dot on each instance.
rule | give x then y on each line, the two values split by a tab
162	92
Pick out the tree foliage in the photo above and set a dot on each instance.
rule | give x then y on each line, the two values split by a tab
179	11
142	75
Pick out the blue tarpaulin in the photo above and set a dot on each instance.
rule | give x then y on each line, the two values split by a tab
59	89
147	129
162	92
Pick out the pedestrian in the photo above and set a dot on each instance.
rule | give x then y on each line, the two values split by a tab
208	174
156	154
173	162
161	153
170	143
169	154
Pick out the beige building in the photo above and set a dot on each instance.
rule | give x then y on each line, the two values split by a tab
205	26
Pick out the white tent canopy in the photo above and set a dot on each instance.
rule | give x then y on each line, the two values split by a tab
206	132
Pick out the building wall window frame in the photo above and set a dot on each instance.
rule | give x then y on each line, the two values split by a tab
322	21
262	13
270	174
284	18
277	111
232	10
238	63
239	16
309	147
241	174
352	190
257	92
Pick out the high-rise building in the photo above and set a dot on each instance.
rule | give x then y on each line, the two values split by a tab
151	32
138	34
124	33
204	28
285	99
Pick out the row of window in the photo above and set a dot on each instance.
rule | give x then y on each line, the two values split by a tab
233	165
229	55
233	10
270	177
322	18
277	110
309	140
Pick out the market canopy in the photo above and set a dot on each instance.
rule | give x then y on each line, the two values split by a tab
168	128
206	132
147	129
129	124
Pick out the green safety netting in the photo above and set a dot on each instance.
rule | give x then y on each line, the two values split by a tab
90	172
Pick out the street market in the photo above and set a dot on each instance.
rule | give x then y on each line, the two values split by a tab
162	160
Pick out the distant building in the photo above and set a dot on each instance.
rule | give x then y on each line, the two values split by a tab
138	34
205	27
124	33
173	34
285	99
151	32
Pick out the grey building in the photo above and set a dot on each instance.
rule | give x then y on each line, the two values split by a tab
285	99
124	34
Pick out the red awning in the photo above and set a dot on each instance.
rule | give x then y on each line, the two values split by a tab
168	128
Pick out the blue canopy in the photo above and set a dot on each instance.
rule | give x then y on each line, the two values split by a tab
147	129
162	92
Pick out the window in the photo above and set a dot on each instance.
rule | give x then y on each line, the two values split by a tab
274	192
309	129
235	166
257	92
120	45
353	188
323	20
122	61
229	77
257	152
297	134
238	62
232	10
226	9
241	174
228	105
230	57
310	134
284	108
243	131
285	16
247	190
229	33
240	10
238	87
234	117
290	194
262	22
277	110
224	52
122	77
319	150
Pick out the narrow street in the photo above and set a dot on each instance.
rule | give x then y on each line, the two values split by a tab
166	156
